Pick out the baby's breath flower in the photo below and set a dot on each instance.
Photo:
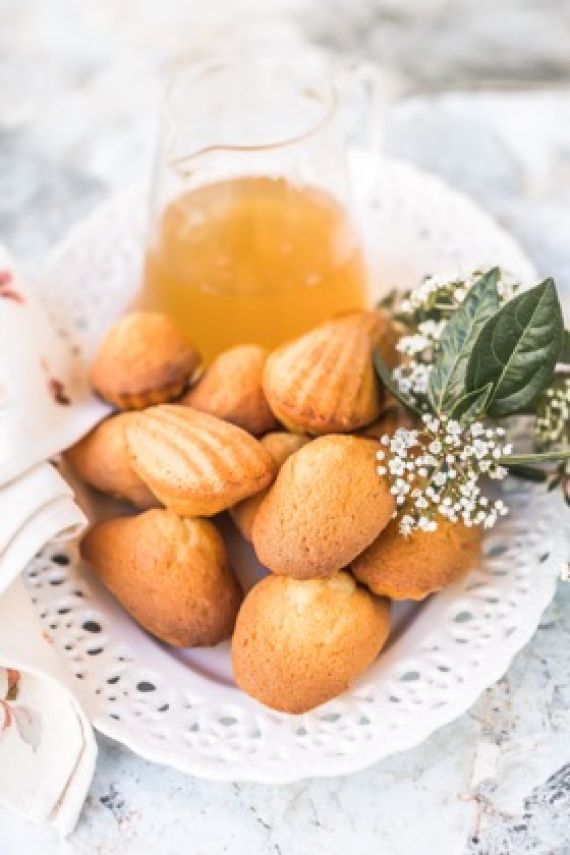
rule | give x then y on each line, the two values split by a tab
432	330
439	295
552	424
449	288
412	378
412	344
436	471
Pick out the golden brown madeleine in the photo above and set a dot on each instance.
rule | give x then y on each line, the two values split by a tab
171	574
102	460
231	389
195	463
298	644
410	568
327	504
281	445
143	360
324	382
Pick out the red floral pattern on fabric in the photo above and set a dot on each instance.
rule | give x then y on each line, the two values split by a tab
56	387
7	291
12	714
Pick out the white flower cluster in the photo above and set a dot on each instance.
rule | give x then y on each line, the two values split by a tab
412	376
451	285
436	471
448	289
427	336
552	424
444	292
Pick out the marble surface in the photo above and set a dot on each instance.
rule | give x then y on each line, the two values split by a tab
78	89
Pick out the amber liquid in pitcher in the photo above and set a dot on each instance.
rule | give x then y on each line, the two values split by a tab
253	260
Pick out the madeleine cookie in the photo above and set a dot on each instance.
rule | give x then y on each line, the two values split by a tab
196	464
324	382
143	360
410	568
231	389
327	504
172	575
281	445
101	459
299	644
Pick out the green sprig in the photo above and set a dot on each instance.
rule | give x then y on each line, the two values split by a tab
494	361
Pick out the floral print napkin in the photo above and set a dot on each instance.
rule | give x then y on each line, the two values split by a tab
47	748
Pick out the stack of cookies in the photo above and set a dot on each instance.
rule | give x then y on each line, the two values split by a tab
286	442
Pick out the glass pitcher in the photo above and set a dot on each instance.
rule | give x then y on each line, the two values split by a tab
251	237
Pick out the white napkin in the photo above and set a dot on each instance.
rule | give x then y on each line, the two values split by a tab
47	748
35	508
45	401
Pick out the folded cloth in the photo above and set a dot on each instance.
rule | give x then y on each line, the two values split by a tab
45	400
35	508
47	748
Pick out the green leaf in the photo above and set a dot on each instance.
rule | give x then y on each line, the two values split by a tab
517	349
529	473
447	378
558	478
564	355
472	405
389	300
385	376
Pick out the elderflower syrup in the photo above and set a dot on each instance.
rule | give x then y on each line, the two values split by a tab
251	239
253	259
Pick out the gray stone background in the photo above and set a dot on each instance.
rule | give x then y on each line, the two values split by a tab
484	101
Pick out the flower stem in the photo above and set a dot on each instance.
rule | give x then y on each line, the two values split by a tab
542	457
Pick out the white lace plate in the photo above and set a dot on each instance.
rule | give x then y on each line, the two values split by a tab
181	708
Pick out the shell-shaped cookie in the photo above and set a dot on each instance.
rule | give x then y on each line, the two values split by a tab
324	382
299	644
231	389
281	445
143	360
195	463
410	568
102	460
171	574
327	504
